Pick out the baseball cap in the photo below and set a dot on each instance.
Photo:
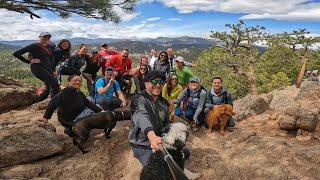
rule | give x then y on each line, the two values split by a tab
109	68
153	75
195	79
179	59
44	34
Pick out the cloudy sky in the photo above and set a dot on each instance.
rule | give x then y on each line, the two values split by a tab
170	18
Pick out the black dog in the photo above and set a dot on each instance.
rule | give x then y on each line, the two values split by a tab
104	120
174	140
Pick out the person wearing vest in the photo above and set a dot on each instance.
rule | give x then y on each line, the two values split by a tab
41	59
109	95
192	100
218	95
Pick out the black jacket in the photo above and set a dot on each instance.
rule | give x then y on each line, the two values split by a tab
71	103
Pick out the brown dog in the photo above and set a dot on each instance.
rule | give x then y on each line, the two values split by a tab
219	116
104	120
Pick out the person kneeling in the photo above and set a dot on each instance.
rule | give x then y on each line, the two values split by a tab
192	101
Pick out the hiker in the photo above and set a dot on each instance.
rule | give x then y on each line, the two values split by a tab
143	61
138	86
191	102
162	64
172	89
71	103
172	58
104	55
149	119
108	93
90	72
121	64
41	64
183	72
61	55
218	95
76	62
154	57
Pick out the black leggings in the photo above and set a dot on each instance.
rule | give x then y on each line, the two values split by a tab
46	76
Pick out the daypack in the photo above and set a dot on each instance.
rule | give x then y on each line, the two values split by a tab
224	94
95	90
185	100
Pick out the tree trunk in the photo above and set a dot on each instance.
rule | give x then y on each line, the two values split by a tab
250	75
301	73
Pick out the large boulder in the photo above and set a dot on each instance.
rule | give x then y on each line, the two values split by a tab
14	94
281	99
249	106
27	142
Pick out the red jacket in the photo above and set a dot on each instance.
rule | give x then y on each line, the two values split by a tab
104	57
119	64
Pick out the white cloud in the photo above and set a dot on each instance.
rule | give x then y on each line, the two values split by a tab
305	10
174	19
153	19
16	26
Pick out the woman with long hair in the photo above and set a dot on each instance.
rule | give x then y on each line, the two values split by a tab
76	61
162	65
40	61
138	86
60	56
172	88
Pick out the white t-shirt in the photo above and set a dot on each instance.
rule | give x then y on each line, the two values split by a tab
152	60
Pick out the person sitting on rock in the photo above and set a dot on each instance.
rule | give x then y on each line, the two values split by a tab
218	95
191	102
71	104
109	94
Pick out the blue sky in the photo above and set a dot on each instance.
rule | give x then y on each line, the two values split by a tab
154	18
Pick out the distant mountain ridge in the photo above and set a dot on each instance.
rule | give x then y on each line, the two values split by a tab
164	41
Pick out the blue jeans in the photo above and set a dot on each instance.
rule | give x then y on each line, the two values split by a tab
189	113
142	155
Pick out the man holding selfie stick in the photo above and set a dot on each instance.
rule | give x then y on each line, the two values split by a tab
109	94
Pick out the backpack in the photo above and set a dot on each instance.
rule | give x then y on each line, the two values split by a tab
95	90
185	100
224	94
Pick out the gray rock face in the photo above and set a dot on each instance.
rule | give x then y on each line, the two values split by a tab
281	99
249	106
27	142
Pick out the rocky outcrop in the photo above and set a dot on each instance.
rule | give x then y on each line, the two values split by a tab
249	106
26	142
13	94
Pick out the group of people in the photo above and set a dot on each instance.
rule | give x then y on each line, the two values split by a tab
157	82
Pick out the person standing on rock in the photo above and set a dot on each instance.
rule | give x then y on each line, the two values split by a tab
41	63
72	104
218	95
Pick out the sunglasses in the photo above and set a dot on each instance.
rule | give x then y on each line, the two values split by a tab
155	82
163	55
194	82
109	72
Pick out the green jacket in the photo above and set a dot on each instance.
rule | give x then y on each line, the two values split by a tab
184	75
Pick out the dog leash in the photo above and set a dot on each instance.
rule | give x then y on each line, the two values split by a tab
171	163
